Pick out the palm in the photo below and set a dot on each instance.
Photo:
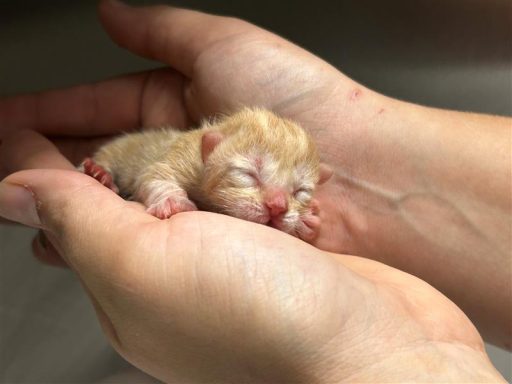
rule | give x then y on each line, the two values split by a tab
262	70
162	285
411	316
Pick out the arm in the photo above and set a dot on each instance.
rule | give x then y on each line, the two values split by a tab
429	193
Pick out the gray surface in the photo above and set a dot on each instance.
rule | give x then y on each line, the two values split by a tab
446	53
49	333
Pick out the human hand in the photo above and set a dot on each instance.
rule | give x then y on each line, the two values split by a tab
400	191
207	53
186	303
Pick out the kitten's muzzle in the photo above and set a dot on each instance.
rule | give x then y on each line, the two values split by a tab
276	202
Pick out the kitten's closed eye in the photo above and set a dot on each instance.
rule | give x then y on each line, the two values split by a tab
246	177
303	194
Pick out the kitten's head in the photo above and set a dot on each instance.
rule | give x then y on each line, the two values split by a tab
260	168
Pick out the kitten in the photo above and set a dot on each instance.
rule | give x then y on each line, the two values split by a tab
252	165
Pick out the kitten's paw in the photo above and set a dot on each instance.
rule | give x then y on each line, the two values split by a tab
305	224
96	171
165	208
309	222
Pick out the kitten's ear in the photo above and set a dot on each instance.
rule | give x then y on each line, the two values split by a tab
208	143
325	173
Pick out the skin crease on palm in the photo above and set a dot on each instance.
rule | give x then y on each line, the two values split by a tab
186	304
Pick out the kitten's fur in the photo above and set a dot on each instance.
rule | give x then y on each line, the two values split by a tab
252	165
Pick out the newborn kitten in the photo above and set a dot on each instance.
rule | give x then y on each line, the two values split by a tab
251	165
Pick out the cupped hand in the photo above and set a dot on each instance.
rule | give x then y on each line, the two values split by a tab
203	297
216	64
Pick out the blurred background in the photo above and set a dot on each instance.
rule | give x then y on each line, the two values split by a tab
454	54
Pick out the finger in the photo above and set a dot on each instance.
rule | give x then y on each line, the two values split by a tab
121	104
45	252
92	228
76	150
91	109
26	150
29	150
86	223
76	211
171	35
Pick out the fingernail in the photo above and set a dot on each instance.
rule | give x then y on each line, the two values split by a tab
18	203
42	240
45	252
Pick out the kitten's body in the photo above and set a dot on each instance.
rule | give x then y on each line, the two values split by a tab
252	165
136	159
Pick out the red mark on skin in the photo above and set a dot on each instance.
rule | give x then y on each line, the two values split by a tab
381	111
355	94
276	202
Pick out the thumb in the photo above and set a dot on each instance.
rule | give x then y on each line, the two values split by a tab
88	225
85	221
171	35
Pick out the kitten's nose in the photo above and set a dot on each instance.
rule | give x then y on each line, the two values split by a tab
276	202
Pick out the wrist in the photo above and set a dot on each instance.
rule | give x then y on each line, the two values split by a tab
417	188
431	362
358	140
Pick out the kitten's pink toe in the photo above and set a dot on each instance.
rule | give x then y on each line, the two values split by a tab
307	234
314	206
171	206
99	173
311	221
309	227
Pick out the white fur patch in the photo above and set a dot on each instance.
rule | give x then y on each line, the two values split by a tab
244	178
158	190
262	119
270	171
242	162
290	221
302	196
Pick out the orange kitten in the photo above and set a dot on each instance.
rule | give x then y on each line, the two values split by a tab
252	165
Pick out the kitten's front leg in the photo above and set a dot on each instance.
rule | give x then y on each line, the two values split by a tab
164	198
98	172
308	224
